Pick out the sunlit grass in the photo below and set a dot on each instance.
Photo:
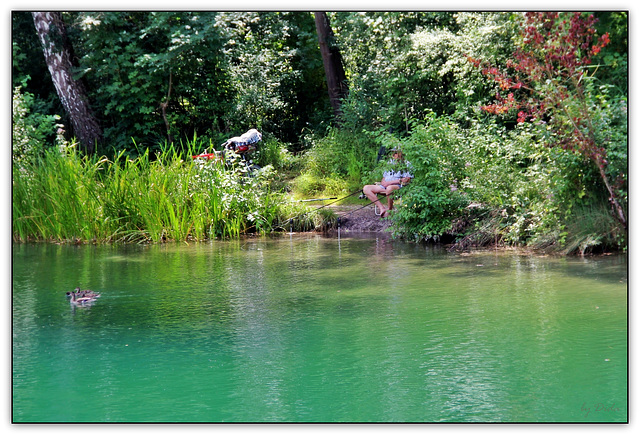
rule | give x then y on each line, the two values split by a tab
69	197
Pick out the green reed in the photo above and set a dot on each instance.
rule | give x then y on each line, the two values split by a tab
168	197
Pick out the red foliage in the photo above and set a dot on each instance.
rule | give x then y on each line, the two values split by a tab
554	52
552	60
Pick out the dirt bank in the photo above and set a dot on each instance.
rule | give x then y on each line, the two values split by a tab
354	219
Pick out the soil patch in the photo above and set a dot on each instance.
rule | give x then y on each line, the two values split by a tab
355	218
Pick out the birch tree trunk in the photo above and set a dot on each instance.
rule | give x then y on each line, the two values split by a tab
57	53
333	69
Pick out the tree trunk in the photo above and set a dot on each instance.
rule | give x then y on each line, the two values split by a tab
333	69
57	53
163	107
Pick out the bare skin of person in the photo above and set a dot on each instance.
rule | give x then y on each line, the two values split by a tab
391	181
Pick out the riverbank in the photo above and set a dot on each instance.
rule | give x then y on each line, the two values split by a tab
355	218
358	220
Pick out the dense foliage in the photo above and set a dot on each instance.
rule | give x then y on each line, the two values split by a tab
515	124
560	93
414	64
144	199
216	73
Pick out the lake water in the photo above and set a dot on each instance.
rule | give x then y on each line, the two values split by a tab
314	329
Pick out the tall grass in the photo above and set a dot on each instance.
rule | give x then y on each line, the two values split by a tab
592	228
69	197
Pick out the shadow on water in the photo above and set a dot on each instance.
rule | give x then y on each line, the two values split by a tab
304	328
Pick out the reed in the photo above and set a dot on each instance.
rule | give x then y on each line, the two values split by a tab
168	197
592	228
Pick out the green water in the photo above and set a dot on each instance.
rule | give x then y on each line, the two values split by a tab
312	329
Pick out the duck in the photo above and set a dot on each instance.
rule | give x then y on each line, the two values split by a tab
77	300
86	293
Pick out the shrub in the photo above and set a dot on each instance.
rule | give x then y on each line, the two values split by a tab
275	153
31	130
336	163
431	201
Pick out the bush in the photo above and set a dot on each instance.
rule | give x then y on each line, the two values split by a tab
275	153
31	130
336	163
431	201
487	184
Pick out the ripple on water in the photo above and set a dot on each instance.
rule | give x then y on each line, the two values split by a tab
315	330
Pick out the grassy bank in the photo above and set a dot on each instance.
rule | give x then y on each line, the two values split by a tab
69	197
476	185
473	187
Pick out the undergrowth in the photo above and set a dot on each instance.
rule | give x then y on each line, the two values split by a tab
64	196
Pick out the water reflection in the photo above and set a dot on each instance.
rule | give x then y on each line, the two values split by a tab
314	329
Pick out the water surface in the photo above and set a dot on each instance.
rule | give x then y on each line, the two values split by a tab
313	329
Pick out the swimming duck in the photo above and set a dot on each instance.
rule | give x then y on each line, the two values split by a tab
79	300
86	293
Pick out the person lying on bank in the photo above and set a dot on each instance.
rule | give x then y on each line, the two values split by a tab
391	181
